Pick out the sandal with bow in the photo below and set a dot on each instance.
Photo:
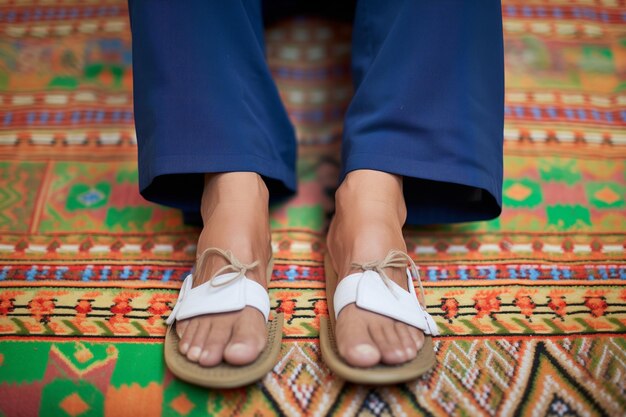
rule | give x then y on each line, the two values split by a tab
227	291
372	290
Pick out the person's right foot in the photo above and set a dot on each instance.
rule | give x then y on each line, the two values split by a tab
235	215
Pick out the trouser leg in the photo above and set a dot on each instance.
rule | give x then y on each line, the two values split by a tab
429	104
204	99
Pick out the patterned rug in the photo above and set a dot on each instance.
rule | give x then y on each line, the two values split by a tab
531	306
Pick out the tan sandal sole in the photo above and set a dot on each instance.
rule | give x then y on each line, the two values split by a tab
375	375
225	375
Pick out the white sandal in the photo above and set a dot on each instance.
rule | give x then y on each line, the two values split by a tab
374	291
224	292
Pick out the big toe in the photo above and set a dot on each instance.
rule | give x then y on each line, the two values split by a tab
355	344
362	355
246	343
241	352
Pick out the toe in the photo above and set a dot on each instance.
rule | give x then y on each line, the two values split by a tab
247	341
356	345
389	344
363	354
418	337
180	327
406	340
187	336
199	339
213	350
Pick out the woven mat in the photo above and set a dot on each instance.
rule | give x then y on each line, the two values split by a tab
531	306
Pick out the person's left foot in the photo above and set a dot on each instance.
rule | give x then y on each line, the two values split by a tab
370	211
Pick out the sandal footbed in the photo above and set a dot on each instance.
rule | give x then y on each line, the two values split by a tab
375	375
225	375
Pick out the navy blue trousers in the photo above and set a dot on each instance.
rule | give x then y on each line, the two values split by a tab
428	104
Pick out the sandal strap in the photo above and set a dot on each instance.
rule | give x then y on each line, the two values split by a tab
223	292
395	259
374	291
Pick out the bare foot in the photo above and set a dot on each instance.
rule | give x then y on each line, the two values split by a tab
235	215
370	212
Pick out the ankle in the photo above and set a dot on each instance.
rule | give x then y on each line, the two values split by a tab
245	248
374	191
236	185
233	188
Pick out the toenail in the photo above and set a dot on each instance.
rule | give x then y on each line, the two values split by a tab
410	352
194	352
238	348
399	353
184	347
205	355
366	350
